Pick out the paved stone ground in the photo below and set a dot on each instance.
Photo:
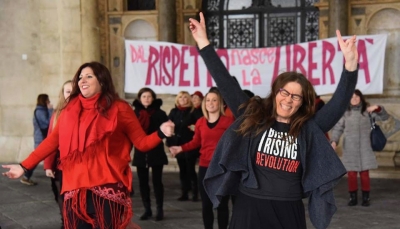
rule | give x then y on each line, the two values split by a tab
33	207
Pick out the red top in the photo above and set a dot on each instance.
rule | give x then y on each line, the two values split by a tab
207	138
109	161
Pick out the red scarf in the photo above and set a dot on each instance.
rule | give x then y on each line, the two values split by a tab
144	118
76	137
182	108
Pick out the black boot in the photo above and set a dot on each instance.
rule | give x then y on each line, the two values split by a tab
353	199
160	213
365	199
184	196
159	202
147	211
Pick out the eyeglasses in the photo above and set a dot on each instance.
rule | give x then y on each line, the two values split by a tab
285	93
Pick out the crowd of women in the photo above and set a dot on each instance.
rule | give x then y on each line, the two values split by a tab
267	154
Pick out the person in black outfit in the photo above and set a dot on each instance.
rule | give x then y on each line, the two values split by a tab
148	110
183	117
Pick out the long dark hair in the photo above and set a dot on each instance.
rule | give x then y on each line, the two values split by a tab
363	104
260	114
103	75
42	100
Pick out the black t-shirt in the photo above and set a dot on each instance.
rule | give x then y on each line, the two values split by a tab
276	164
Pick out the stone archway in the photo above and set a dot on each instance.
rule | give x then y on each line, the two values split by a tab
140	30
384	22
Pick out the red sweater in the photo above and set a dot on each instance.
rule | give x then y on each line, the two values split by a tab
111	161
207	138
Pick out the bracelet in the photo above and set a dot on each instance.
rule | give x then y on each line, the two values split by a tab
25	170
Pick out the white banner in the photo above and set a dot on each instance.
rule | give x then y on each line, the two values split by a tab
168	68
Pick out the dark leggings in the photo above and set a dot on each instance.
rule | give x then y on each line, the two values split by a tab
143	175
187	172
207	206
56	185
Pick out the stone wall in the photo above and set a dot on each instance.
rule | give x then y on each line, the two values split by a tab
40	48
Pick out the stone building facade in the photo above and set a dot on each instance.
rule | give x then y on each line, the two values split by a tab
45	41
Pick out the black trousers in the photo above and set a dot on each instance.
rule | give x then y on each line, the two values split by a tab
207	206
143	176
187	172
56	185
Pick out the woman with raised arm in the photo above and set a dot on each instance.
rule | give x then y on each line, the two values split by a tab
94	133
276	153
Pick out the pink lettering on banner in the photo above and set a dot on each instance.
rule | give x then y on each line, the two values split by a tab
253	79
137	56
295	56
151	67
184	66
166	61
327	49
363	59
299	53
312	65
248	57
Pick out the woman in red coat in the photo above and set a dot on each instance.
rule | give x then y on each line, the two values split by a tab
94	133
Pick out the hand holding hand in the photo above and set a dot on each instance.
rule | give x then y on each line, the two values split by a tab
372	108
199	32
49	173
175	150
14	172
349	50
168	128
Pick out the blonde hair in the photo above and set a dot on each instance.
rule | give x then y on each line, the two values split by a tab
184	93
61	103
221	104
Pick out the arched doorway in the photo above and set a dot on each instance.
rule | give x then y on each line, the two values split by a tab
383	22
140	30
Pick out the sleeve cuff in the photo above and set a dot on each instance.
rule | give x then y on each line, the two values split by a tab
161	134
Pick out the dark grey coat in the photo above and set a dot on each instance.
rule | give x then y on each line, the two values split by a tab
322	168
355	127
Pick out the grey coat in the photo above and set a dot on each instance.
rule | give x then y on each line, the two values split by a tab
355	127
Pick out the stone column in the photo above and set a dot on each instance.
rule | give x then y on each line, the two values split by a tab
90	32
166	20
338	17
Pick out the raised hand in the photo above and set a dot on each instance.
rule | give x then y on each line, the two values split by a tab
349	50
14	172
199	32
168	128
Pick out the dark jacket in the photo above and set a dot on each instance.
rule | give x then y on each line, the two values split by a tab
41	120
157	155
322	168
182	120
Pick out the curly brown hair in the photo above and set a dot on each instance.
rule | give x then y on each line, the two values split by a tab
260	114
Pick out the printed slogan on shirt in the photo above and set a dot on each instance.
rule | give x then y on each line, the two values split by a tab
277	151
